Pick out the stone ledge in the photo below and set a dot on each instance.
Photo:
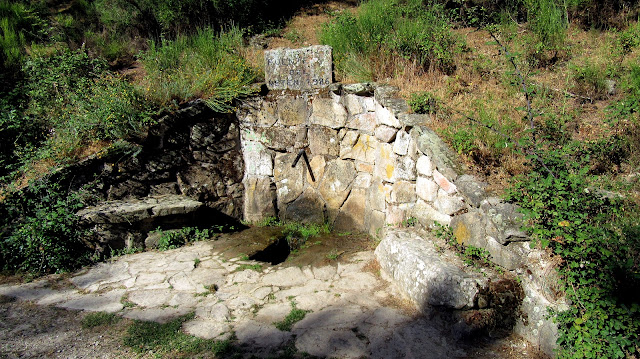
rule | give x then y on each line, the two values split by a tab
427	277
127	211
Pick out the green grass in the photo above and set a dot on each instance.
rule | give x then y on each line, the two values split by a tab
383	29
255	267
168	339
297	234
92	320
206	65
294	316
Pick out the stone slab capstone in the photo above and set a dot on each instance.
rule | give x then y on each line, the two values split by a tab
298	69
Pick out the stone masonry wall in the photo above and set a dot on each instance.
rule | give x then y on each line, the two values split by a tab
372	162
376	164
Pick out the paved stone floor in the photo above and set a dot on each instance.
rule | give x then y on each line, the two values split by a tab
352	312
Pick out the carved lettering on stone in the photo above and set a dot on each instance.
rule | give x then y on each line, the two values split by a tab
298	69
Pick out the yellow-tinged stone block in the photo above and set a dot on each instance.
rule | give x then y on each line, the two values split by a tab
461	232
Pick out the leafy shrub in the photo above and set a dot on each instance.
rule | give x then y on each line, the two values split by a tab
590	81
582	226
40	231
205	65
422	102
69	101
629	39
172	239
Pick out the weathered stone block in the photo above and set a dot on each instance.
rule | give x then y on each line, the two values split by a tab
353	104
257	159
441	155
352	213
298	69
364	122
276	138
114	212
397	213
385	117
403	192
469	229
427	215
424	166
289	180
510	256
323	141
405	169
444	183
504	221
423	275
376	196
426	189
318	164
308	208
385	163
363	180
292	111
328	112
401	144
257	111
414	119
364	167
472	190
259	199
364	149
447	203
374	222
335	184
360	89
385	133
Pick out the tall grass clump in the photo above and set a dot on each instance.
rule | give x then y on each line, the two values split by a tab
418	32
206	65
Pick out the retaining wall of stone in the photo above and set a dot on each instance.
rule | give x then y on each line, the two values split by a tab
372	163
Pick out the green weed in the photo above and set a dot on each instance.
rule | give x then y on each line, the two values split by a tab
255	267
171	239
422	102
294	316
297	234
333	254
590	81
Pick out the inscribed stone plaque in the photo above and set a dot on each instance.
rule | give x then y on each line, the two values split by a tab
298	69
